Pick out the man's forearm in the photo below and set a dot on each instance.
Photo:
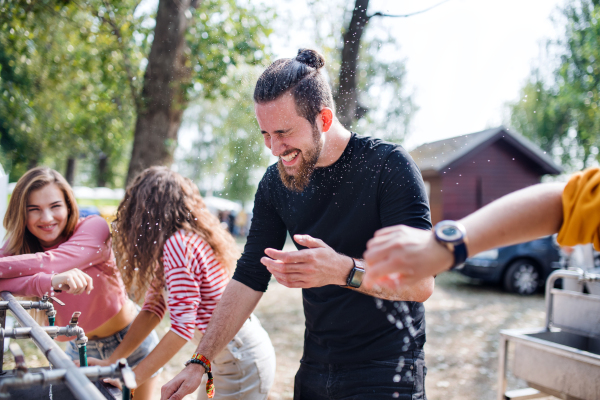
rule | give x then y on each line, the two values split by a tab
521	216
418	291
233	310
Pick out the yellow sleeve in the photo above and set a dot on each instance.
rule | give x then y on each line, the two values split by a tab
581	210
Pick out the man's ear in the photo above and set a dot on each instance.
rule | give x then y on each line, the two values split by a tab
326	116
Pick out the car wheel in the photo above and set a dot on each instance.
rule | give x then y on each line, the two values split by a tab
522	277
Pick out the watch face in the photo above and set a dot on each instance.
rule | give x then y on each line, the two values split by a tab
449	232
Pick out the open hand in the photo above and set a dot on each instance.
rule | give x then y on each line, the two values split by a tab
316	266
73	281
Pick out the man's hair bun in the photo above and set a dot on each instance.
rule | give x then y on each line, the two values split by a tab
311	58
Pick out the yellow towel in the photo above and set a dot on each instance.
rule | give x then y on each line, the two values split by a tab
581	209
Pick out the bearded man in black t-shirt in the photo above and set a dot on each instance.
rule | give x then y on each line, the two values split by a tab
331	190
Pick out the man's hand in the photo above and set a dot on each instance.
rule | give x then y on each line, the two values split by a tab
401	255
186	382
317	266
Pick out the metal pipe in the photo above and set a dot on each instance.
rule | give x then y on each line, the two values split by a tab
580	275
52	331
80	386
83	355
49	377
41	305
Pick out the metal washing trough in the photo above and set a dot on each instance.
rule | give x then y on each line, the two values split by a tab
67	380
563	358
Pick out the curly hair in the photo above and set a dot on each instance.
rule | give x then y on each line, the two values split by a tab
158	203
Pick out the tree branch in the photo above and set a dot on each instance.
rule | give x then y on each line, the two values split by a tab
380	14
126	61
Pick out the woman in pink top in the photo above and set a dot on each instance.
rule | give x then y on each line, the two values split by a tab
50	251
174	252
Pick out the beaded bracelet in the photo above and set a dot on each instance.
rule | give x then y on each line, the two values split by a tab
210	385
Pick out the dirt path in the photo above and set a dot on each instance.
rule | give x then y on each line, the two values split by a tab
463	324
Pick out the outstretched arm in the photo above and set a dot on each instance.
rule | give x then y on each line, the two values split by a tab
320	265
233	310
408	255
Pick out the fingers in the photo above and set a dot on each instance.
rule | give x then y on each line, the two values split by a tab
284	267
291	280
389	229
175	390
309	241
169	389
77	281
76	284
380	251
114	382
89	282
290	257
95	361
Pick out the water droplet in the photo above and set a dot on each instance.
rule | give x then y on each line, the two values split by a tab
397	378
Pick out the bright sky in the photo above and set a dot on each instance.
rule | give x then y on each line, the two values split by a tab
465	59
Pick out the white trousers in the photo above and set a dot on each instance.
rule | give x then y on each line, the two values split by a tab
245	369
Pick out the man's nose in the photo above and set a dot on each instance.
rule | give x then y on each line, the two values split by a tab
277	146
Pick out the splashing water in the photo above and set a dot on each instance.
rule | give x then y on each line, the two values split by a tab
400	317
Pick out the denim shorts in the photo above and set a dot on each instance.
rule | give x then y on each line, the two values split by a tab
398	378
103	348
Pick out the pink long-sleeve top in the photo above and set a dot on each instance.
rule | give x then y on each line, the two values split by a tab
194	280
89	249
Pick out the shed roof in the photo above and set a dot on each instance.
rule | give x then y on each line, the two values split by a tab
436	156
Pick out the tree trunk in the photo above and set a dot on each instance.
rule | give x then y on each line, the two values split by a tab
162	103
346	99
70	173
102	170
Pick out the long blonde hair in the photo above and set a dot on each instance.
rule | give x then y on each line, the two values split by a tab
158	203
20	240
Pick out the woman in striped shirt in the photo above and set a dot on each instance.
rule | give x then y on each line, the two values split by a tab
172	250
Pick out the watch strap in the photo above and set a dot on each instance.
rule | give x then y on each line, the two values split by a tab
460	256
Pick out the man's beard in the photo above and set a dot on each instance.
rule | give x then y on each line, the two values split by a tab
300	181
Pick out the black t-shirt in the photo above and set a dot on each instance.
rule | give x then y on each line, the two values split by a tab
373	184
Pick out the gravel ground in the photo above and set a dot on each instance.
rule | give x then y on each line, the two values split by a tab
463	324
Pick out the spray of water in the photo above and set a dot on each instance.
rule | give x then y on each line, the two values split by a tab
399	316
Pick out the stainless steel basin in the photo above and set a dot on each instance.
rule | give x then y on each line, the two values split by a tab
562	364
563	358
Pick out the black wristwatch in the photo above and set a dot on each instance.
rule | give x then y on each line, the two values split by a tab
356	274
453	236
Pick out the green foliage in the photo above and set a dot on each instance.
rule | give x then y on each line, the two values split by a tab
72	75
381	86
229	155
562	112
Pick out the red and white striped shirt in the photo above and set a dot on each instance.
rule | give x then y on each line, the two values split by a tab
194	280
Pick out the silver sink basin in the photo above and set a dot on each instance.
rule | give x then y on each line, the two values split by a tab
562	364
563	358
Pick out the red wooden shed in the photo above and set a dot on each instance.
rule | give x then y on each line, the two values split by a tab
466	172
